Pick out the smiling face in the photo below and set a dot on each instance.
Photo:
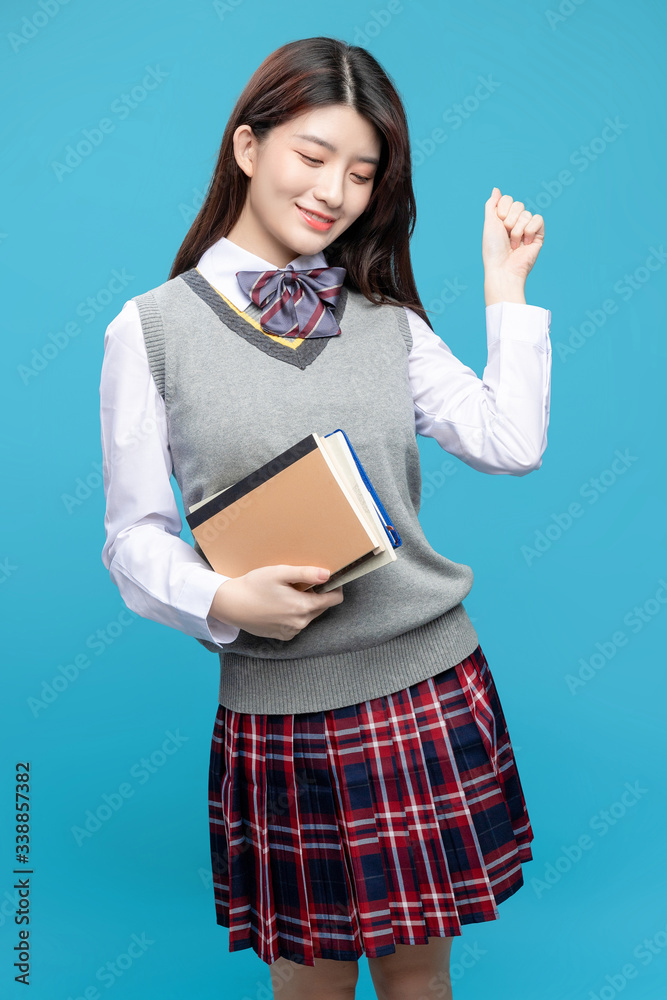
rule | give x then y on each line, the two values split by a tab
322	162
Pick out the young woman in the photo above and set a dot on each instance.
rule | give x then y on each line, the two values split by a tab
364	797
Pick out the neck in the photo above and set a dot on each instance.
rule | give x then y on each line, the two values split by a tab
250	236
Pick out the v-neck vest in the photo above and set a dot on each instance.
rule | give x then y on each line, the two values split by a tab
235	397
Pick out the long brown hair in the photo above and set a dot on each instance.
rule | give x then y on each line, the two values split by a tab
307	73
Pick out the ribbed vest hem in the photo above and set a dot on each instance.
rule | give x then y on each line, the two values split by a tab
318	683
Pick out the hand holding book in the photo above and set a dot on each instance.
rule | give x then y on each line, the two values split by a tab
268	601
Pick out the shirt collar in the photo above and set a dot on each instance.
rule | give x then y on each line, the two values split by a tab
221	261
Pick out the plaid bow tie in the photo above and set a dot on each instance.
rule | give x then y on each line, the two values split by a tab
295	303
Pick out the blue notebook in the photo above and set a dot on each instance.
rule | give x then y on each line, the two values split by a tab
394	536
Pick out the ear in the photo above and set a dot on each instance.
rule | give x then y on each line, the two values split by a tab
244	148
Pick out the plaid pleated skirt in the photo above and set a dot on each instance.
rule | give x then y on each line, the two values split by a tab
343	832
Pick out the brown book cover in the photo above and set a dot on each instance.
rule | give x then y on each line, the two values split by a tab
306	507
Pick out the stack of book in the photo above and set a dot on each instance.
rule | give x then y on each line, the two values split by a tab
311	505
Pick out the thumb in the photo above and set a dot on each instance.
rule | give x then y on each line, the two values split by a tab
492	201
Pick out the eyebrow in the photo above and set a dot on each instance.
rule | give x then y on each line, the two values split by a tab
328	145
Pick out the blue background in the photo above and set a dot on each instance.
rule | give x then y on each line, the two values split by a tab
559	74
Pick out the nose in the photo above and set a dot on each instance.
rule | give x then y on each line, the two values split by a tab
329	188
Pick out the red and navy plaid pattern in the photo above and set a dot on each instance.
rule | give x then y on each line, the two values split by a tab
343	832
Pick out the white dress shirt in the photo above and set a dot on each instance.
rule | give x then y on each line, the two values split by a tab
496	424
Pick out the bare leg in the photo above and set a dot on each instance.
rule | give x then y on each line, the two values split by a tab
328	979
414	972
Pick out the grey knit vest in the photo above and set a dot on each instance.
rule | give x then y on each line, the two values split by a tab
235	397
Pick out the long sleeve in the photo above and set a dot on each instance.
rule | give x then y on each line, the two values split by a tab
159	575
496	424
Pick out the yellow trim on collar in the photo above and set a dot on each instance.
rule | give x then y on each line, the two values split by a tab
292	342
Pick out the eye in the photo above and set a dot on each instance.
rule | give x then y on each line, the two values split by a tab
360	176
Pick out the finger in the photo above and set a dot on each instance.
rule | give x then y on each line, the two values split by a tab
310	575
492	201
535	226
333	596
513	214
519	228
503	206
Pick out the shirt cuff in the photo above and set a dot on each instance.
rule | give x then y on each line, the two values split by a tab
518	321
195	600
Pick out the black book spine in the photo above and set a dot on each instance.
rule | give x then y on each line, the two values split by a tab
252	481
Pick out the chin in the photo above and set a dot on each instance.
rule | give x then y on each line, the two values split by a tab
306	245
